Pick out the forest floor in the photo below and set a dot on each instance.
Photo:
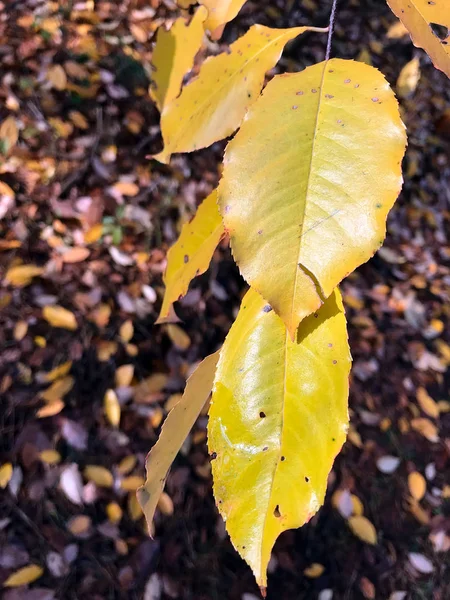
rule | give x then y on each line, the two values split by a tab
92	216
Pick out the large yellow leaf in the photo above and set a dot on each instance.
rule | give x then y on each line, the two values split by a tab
212	105
309	180
173	433
191	254
174	55
425	19
221	11
278	417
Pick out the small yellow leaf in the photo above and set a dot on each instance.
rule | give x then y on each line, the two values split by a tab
174	431
127	464
79	120
50	457
426	403
134	508
124	375
363	529
6	471
79	525
191	254
173	57
99	475
165	504
7	193
50	410
40	341
419	17
75	255
357	506
408	79
114	512
57	77
426	428
58	372
58	316
126	331
220	12
58	389
179	338
280	229
93	234
213	104
9	134
126	188
417	485
313	571
62	128
112	408
24	576
396	31
105	350
22	275
132	483
20	330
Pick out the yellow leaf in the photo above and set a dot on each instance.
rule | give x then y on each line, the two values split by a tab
409	78
308	182
179	338
24	576
114	512
79	525
165	504
426	403
357	506
422	18
127	464
9	134
126	331
20	330
191	254
57	77
124	375
22	275
93	234
173	433
50	457
134	508
313	571
112	408
79	120
62	128
126	188
277	419
426	428
58	389
363	529
99	475
174	55
417	485
396	30
213	104
6	472
50	410
132	483
75	255
58	372
220	12
58	316
6	191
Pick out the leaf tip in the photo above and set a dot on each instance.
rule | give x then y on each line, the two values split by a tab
167	316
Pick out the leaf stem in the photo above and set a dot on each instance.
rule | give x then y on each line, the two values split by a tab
331	29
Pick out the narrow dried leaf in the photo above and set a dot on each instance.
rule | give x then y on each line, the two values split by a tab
417	485
50	410
132	483
165	504
58	389
173	433
363	529
173	56
191	254
126	188
425	19
58	316
114	512
20	330
213	104
268	423
24	576
22	275
112	408
310	222
71	484
6	471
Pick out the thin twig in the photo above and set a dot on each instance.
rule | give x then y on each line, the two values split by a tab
331	29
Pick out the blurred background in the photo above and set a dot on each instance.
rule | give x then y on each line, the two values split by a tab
85	221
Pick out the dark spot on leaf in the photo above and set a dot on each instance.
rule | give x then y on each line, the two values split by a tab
260	231
335	362
227	208
299	93
267	308
306	479
333	439
186	258
314	91
330	345
283	458
294	107
213	455
347	80
262	414
440	31
276	512
265	448
329	96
